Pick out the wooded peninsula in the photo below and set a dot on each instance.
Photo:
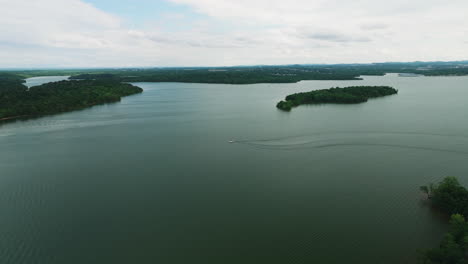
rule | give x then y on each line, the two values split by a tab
17	101
347	95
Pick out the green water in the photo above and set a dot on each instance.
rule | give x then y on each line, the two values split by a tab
153	179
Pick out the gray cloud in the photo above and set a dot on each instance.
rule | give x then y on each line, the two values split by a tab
333	37
374	26
232	32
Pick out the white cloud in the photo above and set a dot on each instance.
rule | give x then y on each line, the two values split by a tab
71	33
39	20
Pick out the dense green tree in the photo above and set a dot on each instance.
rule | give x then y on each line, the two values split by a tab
428	190
452	198
453	248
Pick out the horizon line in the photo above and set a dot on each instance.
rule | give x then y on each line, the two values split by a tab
225	66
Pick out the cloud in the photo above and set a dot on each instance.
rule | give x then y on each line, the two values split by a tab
74	33
45	21
374	26
334	37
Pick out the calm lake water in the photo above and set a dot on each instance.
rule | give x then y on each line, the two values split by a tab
153	179
30	82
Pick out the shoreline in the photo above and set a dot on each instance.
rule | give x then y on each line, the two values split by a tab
12	117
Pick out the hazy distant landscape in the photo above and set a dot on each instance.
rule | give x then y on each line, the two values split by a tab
233	132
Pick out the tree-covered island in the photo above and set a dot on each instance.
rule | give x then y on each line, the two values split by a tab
347	95
17	101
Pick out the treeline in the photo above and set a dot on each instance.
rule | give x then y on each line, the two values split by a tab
256	74
452	198
224	76
447	72
17	101
273	74
11	82
347	95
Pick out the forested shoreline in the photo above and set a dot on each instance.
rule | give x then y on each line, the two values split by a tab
232	76
17	101
452	199
255	74
272	74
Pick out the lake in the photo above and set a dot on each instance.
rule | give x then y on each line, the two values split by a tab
154	179
30	82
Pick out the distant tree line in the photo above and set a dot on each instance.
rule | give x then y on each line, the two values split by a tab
347	95
257	74
452	198
271	74
233	76
11	83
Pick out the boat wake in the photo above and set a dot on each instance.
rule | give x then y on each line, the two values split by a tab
402	140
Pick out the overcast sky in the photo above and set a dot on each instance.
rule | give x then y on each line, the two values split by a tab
129	33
